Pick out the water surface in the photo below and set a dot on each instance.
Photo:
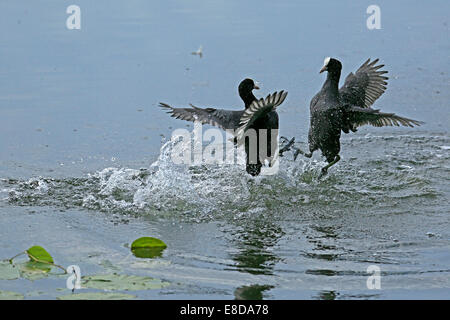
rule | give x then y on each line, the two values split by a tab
85	166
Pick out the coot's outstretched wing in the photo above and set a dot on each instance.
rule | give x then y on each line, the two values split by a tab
365	86
225	119
257	109
356	117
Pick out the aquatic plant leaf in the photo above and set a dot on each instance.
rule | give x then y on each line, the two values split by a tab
148	247
116	281
10	295
41	262
8	271
97	296
148	242
39	254
33	270
35	293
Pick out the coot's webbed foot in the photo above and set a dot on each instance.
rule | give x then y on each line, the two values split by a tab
325	169
288	145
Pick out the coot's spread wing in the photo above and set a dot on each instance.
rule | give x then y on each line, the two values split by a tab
365	86
258	109
357	117
225	119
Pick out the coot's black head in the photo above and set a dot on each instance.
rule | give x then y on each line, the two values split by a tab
247	86
331	65
245	91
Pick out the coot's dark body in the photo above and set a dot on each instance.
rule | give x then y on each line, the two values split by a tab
333	110
268	122
258	114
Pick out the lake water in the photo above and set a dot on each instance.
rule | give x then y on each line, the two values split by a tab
84	165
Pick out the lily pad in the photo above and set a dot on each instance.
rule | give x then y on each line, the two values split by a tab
36	293
9	295
148	247
40	262
109	266
125	282
32	270
97	296
8	271
39	254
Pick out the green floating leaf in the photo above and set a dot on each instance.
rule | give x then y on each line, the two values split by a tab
125	282
148	247
39	254
97	296
8	271
36	293
9	295
40	262
32	270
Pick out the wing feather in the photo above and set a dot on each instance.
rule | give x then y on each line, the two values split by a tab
357	116
365	86
224	119
257	109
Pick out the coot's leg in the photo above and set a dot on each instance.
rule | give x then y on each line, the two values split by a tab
325	169
298	151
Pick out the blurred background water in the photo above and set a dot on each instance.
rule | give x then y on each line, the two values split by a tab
84	171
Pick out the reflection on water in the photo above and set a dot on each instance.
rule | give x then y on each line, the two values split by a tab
255	242
327	295
323	249
253	292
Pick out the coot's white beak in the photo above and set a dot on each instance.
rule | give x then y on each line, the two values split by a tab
256	85
325	64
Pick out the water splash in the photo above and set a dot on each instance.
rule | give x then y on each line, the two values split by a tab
212	190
